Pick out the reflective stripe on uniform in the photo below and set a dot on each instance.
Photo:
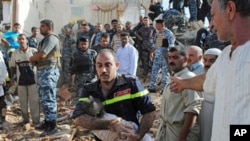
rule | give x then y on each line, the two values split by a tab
84	99
120	98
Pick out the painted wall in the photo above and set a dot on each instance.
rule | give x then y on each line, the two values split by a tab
31	12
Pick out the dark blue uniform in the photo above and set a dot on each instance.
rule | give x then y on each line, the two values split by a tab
125	99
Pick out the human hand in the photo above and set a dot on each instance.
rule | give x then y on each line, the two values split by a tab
151	56
176	85
129	137
118	127
3	83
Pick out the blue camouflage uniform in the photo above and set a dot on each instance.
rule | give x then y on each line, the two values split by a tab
193	10
173	17
67	51
159	61
48	74
82	65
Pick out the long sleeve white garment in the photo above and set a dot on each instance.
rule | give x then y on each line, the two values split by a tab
229	79
128	58
3	73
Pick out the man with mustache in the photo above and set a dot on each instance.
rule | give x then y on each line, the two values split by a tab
228	78
26	80
178	114
206	114
47	61
195	59
122	96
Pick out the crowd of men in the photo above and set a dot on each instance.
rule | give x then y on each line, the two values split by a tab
104	67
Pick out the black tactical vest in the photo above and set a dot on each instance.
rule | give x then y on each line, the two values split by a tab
84	61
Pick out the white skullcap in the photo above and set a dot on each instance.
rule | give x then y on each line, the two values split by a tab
213	51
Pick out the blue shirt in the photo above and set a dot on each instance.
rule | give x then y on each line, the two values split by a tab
197	68
32	42
11	37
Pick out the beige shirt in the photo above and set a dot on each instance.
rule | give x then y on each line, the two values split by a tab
173	108
229	79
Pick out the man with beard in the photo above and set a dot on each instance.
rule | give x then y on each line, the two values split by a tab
122	96
26	80
207	109
67	51
47	60
146	35
104	43
179	112
229	77
127	56
82	64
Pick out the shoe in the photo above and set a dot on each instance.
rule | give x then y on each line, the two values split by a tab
43	126
51	129
152	90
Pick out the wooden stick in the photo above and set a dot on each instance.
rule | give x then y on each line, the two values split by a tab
73	134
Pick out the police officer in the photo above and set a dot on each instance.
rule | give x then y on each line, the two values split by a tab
146	35
159	61
47	60
174	17
67	51
82	63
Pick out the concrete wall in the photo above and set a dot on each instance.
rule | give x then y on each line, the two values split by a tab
31	12
28	14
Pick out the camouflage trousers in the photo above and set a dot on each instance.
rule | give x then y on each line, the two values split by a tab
172	20
193	10
64	73
80	80
159	63
47	81
145	62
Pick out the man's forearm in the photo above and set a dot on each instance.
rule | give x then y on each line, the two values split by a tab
189	121
146	123
195	83
37	57
5	41
92	123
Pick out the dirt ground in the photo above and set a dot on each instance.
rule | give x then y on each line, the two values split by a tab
14	130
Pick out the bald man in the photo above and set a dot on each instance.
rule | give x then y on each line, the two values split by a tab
195	59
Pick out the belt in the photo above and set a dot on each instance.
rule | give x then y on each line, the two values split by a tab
44	67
